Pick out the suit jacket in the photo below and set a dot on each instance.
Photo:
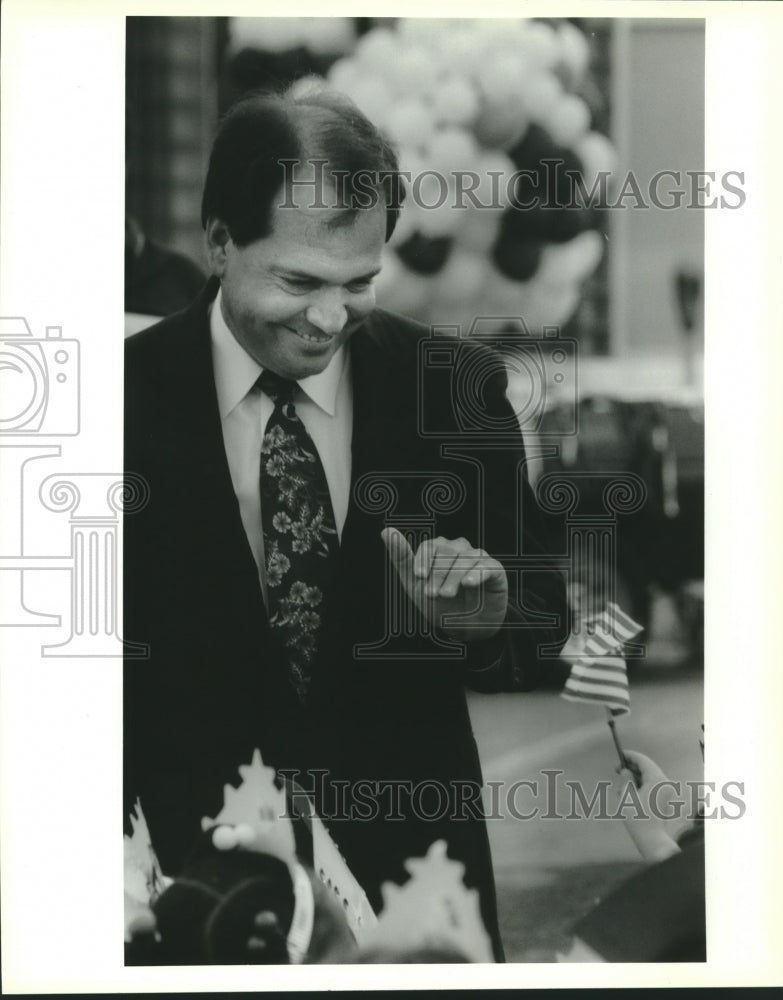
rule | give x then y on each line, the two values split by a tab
214	686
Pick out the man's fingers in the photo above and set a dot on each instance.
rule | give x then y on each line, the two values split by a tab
441	566
472	572
444	552
464	571
399	550
439	571
422	562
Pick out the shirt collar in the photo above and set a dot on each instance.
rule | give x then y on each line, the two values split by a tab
236	372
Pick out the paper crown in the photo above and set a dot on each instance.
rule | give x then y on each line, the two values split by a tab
432	909
257	810
144	880
255	817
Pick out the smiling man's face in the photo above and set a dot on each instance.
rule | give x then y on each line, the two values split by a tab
293	298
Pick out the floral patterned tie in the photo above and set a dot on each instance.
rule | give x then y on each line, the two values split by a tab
300	537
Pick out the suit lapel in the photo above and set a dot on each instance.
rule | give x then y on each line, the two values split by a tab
369	438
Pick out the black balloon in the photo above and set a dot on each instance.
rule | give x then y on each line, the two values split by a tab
515	257
425	254
536	145
546	201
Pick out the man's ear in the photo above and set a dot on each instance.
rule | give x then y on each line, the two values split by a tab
218	239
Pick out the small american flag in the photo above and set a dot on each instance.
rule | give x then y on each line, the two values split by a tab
599	674
612	629
600	679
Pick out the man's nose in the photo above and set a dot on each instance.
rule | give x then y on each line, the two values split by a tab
328	313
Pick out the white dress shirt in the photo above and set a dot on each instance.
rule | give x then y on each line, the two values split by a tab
324	404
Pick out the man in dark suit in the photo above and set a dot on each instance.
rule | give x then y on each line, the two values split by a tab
282	607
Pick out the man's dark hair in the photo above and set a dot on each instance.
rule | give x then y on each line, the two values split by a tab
246	172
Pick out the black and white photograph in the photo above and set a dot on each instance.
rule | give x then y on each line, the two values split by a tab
388	469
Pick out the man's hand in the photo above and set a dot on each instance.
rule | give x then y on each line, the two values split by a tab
450	577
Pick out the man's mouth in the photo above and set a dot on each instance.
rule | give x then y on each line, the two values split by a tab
312	338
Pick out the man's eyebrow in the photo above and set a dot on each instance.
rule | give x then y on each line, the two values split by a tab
366	277
287	272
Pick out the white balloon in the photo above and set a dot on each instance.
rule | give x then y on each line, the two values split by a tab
539	44
455	101
410	123
456	51
412	71
571	262
452	149
563	307
462	277
594	244
503	296
542	93
432	196
372	98
494	170
537	305
569	120
574	49
591	252
597	155
501	124
479	230
443	220
377	48
546	305
347	76
328	35
399	289
429	187
558	264
503	77
411	160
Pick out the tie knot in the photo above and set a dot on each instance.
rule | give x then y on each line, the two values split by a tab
279	389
